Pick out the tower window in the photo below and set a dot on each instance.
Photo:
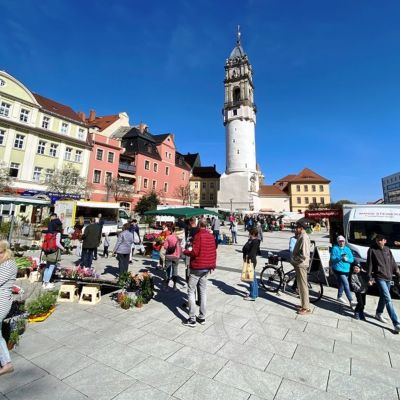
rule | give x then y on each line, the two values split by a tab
233	140
238	151
234	112
236	94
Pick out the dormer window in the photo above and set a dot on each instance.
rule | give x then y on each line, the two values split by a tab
149	149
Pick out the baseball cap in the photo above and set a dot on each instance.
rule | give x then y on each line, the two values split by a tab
341	238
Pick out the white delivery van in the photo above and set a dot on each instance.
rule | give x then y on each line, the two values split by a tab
70	210
361	224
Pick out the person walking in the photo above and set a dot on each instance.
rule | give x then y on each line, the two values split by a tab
341	259
172	253
381	266
250	251
259	231
203	259
106	244
90	241
300	260
123	248
8	274
233	229
359	284
216	226
100	222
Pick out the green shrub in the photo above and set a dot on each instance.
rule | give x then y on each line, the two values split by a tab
42	304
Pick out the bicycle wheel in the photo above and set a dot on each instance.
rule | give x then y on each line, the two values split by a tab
271	278
315	291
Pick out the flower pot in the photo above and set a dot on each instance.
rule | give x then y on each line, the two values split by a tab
41	317
10	345
140	305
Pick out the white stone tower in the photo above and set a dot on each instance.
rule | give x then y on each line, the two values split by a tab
240	183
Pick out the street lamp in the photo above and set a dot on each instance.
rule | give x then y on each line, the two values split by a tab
231	200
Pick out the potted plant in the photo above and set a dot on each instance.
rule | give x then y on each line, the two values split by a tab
126	302
42	307
139	301
13	340
21	326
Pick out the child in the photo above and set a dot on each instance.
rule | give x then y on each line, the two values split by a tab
106	244
359	285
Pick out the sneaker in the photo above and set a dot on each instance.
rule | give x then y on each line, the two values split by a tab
304	311
44	286
362	316
201	321
341	300
189	322
397	328
357	316
6	369
248	298
352	303
381	318
50	286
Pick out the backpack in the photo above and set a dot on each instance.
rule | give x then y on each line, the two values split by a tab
49	245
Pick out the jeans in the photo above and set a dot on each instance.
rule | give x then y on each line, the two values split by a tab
48	272
87	257
172	270
4	353
123	262
216	237
197	279
385	299
254	287
234	237
343	281
361	300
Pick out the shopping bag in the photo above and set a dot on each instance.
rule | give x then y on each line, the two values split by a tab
247	271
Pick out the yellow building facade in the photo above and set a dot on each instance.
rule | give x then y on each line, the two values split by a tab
204	186
38	136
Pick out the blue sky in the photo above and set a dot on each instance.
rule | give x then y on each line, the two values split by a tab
326	75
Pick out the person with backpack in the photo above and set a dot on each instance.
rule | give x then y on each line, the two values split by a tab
90	240
51	250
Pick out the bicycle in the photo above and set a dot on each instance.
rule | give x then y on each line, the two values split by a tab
273	278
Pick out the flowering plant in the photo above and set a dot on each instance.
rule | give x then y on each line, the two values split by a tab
79	273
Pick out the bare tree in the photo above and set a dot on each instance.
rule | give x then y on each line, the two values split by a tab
5	179
121	190
67	181
182	192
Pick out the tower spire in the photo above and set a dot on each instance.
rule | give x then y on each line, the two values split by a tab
238	36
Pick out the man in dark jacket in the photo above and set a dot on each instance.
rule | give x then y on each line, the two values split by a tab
90	240
203	259
381	266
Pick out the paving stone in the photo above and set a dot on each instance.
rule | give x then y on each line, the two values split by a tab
86	342
71	313
249	379
141	391
227	332
323	359
364	369
136	320
46	388
266	329
54	328
95	323
163	375
24	373
299	371
156	346
229	320
395	359
310	340
290	390
328	332
62	362
201	388
271	345
245	354
319	319
374	327
200	341
99	382
35	345
362	352
203	363
122	333
285	322
164	329
359	388
119	356
381	342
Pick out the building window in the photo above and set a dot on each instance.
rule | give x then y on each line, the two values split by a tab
204	185
211	196
155	167
24	115
321	188
14	170
45	122
165	187
322	200
41	147
2	135
97	176
234	112
145	183
64	128
68	154
147	165
110	158
196	185
5	109
53	150
99	154
19	141
314	200
211	185
78	156
108	179
183	176
298	200
154	185
306	200
81	133
313	188
74	180
306	188
298	188
166	170
36	174
49	175
203	196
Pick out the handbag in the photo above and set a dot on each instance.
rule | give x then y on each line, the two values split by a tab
247	271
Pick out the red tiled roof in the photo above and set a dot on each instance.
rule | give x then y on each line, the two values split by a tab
103	122
57	108
271	190
287	178
307	175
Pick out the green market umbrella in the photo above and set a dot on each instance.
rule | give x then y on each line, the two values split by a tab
185	212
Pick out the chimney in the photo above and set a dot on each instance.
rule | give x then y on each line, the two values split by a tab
82	116
92	115
142	127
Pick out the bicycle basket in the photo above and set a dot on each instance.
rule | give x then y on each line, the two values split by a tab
273	260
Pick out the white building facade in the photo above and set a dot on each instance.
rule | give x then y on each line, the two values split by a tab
239	184
391	188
